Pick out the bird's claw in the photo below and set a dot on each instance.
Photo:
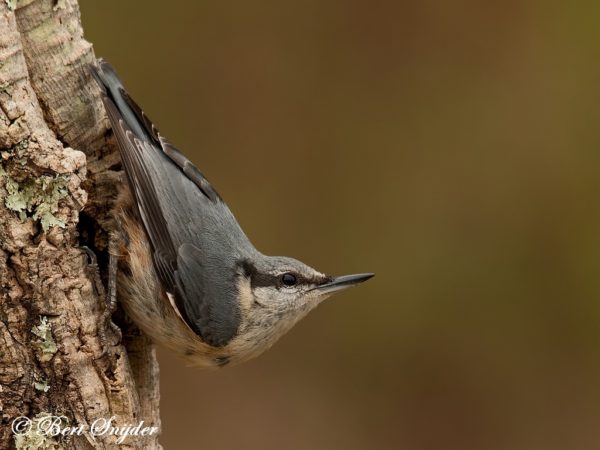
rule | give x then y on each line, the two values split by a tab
110	303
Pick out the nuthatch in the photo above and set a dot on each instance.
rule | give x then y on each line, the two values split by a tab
188	275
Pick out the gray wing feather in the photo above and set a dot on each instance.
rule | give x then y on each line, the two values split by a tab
165	254
189	169
194	237
197	275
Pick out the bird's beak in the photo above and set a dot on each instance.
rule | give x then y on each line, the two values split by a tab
343	282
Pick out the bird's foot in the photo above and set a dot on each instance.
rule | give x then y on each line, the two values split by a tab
110	301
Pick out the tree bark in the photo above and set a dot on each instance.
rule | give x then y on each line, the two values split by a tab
58	176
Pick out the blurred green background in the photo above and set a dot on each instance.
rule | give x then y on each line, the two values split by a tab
451	147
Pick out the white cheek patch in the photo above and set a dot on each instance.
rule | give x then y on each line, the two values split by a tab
264	296
277	299
245	293
272	297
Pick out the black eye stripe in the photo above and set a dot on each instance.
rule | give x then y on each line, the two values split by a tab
258	279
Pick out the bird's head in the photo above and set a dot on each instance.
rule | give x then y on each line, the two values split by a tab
283	284
276	291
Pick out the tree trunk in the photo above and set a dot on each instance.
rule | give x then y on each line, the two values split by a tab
58	175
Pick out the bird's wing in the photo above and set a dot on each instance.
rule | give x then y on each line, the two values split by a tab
179	210
132	151
195	285
186	166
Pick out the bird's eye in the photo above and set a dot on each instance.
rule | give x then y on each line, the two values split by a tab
288	279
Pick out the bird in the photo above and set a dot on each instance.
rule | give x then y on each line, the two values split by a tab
180	264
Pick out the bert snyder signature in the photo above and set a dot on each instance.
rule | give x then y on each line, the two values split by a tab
57	426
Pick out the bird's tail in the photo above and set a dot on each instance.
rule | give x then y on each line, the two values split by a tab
112	88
